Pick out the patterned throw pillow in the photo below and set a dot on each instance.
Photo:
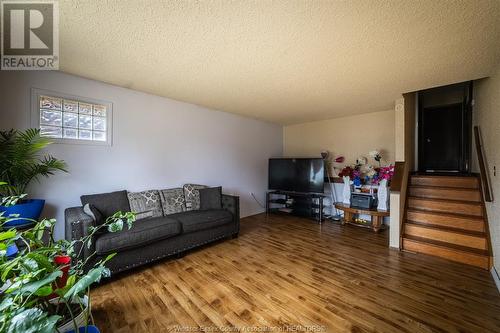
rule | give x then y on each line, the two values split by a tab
192	196
145	204
173	201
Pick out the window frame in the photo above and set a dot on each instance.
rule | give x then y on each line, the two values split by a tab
35	116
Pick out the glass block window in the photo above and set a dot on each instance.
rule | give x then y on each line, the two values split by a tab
73	119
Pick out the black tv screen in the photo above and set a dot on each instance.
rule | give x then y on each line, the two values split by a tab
297	174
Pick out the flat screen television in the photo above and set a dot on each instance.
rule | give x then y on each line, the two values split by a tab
297	174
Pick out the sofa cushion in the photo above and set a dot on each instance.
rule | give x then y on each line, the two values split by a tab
211	198
145	204
146	232
173	201
107	203
192	196
202	219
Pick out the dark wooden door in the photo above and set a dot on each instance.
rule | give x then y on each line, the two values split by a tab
442	138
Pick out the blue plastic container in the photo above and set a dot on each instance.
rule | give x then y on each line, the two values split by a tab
88	329
12	251
27	209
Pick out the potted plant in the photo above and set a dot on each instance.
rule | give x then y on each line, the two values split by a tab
21	162
45	286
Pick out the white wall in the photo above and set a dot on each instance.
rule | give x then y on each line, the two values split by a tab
350	136
487	117
157	143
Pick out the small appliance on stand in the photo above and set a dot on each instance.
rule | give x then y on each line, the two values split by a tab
336	216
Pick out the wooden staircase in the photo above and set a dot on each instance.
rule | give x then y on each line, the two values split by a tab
445	217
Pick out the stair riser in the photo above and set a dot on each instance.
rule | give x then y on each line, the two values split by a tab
463	182
445	207
450	194
446	221
446	253
446	236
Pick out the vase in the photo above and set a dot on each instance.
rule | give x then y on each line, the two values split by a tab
347	190
383	197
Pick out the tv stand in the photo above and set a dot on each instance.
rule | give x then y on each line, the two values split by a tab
295	203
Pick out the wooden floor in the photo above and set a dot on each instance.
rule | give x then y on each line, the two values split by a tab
286	271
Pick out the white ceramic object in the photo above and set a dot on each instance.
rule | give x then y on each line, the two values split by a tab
383	196
346	193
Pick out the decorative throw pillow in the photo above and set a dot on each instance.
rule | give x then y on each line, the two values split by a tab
107	203
94	213
173	201
192	196
145	204
210	198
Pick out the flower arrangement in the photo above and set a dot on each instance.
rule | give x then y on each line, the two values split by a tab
386	173
375	154
362	170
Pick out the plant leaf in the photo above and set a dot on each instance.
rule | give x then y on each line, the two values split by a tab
32	320
116	226
44	291
6	303
94	275
32	287
7	235
41	260
7	268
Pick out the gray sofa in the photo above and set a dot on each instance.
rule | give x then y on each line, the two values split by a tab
166	233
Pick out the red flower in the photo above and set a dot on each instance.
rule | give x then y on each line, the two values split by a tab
347	172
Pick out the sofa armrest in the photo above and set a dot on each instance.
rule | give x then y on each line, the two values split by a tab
77	225
232	204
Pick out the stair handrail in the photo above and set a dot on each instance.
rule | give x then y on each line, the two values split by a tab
482	166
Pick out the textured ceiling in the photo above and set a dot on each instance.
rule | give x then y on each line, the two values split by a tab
281	61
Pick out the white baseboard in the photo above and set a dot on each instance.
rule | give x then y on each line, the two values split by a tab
496	277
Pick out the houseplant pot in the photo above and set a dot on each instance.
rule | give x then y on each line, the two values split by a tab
80	320
11	251
28	210
88	329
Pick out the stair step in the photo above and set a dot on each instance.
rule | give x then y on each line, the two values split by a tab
465	194
446	206
474	257
451	220
447	235
445	181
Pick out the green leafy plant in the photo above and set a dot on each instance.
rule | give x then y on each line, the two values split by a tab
32	298
21	161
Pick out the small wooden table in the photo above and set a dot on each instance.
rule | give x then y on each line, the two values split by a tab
377	216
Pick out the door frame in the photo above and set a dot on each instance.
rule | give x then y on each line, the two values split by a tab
466	143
